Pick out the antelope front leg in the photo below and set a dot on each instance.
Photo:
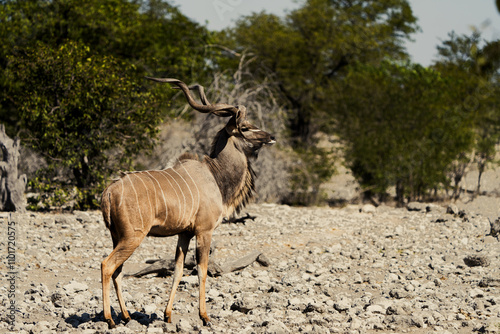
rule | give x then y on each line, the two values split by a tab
202	251
180	255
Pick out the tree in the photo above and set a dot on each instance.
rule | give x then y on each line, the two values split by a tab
401	128
152	36
72	87
306	54
474	64
12	185
76	107
308	50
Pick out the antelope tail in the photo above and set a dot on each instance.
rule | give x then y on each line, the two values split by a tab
106	209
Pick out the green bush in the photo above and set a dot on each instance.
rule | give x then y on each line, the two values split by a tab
402	127
78	109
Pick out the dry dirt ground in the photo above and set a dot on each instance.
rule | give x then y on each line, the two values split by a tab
357	269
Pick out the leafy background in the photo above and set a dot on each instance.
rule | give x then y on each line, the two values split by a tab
332	80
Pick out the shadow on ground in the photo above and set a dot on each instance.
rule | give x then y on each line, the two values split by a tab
77	320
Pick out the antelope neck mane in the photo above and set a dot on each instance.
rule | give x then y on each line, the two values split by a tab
236	186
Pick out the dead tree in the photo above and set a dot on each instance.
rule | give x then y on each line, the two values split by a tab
12	185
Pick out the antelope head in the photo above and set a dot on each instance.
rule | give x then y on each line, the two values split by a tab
251	137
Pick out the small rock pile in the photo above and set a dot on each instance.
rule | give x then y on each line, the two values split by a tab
357	269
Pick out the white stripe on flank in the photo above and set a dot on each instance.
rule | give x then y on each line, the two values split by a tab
154	188
147	192
192	197
138	204
164	172
197	190
163	195
182	192
121	197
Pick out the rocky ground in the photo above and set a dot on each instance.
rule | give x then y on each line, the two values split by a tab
357	269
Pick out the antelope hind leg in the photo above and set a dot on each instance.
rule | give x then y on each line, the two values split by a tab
120	254
105	276
117	280
203	241
180	255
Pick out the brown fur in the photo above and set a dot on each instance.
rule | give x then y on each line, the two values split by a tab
241	192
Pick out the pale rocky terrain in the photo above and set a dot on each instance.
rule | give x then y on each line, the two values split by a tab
356	269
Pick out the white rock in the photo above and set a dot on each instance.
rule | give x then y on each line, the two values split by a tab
74	287
376	309
150	309
155	330
476	293
368	208
342	304
192	279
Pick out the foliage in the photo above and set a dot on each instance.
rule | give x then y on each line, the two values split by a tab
312	168
150	35
72	87
71	80
401	128
307	51
77	106
474	67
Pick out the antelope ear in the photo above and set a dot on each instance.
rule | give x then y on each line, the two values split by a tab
241	113
232	125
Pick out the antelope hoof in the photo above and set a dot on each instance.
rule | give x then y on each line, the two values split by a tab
111	323
126	319
168	319
206	321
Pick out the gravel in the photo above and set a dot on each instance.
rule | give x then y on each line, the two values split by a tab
357	269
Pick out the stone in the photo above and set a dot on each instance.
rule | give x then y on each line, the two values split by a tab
309	287
399	294
275	327
192	280
135	326
357	278
74	287
476	293
495	228
489	282
184	326
452	209
149	309
417	206
376	309
343	304
243	306
368	208
82	216
383	302
476	261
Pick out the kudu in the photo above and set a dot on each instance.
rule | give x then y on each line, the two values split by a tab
189	199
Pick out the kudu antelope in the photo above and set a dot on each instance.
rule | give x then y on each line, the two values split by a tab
189	199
